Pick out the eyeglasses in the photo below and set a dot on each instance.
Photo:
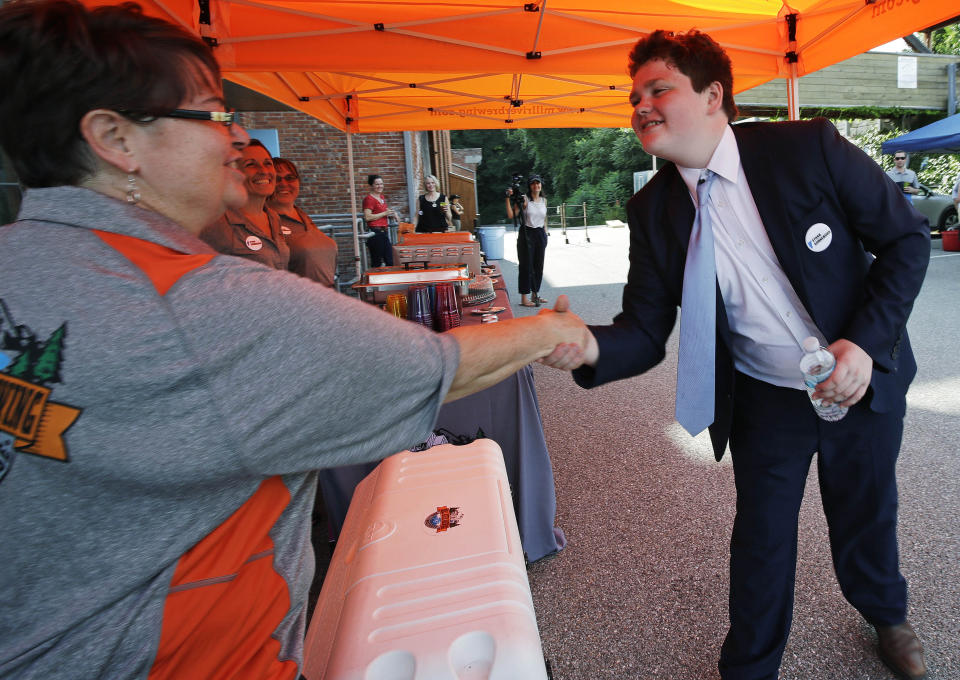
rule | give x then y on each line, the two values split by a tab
899	158
288	178
225	118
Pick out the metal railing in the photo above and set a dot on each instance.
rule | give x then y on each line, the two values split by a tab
339	227
572	216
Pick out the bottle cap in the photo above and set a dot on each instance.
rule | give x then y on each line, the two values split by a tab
811	344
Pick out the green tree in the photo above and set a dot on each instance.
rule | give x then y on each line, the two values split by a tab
578	165
946	40
607	159
552	150
47	368
21	367
503	154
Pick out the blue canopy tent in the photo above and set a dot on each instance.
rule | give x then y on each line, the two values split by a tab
940	137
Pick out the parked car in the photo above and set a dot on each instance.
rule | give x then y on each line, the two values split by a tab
937	208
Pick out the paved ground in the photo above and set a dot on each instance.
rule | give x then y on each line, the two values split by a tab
640	591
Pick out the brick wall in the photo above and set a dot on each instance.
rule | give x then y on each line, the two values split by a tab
320	154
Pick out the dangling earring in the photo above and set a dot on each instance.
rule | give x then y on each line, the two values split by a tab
133	194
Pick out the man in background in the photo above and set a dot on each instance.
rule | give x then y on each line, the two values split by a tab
955	193
904	177
456	211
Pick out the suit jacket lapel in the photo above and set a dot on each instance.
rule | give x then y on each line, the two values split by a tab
761	172
679	209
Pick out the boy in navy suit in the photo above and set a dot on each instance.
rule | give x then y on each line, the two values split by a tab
801	235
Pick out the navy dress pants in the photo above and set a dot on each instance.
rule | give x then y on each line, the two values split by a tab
774	437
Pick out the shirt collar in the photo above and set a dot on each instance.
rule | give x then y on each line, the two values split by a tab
87	209
725	162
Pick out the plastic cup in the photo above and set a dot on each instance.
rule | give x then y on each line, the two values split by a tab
418	305
397	305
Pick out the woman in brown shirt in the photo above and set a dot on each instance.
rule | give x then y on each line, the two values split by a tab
313	254
253	230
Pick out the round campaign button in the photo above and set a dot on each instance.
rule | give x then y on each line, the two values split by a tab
818	237
253	243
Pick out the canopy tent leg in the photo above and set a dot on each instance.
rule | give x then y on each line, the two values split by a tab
586	229
791	56
793	94
353	205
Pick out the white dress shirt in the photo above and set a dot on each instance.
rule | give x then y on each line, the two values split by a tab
767	321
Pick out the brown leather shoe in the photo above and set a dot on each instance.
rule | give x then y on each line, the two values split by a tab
901	650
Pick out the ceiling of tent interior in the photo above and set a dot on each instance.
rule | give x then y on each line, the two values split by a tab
369	66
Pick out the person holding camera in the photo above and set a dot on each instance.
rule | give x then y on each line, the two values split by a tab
531	212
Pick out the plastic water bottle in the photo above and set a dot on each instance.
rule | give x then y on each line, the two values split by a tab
817	365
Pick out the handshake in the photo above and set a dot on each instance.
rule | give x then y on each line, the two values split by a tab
578	346
490	353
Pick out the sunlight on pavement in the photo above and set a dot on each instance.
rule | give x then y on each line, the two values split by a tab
698	449
601	261
939	396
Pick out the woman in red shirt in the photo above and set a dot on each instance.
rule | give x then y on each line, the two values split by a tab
375	214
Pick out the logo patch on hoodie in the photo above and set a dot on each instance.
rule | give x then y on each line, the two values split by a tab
30	421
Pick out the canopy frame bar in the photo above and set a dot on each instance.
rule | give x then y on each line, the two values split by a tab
398	28
857	8
174	16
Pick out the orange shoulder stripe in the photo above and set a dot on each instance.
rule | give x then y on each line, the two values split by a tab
164	266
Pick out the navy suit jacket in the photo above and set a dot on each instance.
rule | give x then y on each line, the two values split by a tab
861	287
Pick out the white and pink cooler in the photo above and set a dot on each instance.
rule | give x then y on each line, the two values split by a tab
428	579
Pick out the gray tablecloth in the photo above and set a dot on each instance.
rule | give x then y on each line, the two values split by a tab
509	414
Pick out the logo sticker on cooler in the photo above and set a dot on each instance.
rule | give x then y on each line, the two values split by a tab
441	520
818	237
253	243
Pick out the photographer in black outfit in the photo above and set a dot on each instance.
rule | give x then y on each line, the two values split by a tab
529	213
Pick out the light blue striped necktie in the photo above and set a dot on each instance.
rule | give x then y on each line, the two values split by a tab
696	371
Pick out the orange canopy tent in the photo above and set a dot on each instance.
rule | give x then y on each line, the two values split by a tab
369	66
373	66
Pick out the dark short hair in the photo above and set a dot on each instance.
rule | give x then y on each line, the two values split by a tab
278	161
256	142
372	178
534	177
59	61
695	54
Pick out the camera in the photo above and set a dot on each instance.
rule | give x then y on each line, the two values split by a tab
516	185
516	198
